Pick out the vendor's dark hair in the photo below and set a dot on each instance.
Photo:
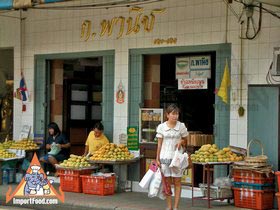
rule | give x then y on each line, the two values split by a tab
55	127
172	108
98	126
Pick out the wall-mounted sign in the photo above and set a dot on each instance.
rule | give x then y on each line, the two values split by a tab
200	67
182	67
132	138
192	84
165	41
193	67
127	26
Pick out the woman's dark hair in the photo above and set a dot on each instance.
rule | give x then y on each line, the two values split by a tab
98	126
55	127
172	108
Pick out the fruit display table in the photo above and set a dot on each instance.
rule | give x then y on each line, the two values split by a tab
207	167
120	169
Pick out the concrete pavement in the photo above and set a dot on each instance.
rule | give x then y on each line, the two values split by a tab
118	201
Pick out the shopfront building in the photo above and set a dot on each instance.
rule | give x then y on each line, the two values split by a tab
133	51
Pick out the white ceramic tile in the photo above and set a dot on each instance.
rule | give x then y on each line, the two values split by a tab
233	140
233	127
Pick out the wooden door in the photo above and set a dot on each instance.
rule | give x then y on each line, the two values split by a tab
82	109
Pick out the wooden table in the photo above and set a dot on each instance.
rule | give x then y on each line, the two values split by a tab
208	167
119	171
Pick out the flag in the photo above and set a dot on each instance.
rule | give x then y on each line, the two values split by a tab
223	90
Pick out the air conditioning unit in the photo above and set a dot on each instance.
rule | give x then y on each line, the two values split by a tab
275	70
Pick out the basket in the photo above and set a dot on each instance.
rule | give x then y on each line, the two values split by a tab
253	186
70	183
247	174
259	160
255	180
98	185
73	171
277	174
278	199
253	199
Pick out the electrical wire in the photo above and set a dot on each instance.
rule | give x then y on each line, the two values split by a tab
231	9
124	3
270	78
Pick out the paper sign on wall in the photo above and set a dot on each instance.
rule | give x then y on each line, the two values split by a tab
182	67
192	84
200	67
132	138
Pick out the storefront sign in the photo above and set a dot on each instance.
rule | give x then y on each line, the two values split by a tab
200	67
127	26
132	138
192	84
165	41
182	67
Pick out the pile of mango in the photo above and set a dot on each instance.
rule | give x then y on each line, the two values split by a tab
25	144
75	161
4	154
211	153
112	152
6	144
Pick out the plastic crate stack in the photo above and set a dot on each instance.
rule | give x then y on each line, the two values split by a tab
71	180
253	190
277	174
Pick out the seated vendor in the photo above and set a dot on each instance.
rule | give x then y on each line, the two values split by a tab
96	139
58	145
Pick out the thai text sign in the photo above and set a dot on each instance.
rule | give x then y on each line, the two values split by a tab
132	138
191	84
193	67
126	26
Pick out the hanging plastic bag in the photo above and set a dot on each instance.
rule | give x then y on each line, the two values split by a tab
155	184
145	181
180	160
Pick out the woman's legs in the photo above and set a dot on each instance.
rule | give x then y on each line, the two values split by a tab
168	197
177	186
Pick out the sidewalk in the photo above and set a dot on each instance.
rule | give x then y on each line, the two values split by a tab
118	201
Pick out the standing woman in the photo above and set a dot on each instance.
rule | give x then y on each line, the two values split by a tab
171	135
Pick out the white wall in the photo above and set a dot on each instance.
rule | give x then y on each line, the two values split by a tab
192	22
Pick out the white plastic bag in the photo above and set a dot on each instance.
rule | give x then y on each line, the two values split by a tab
180	160
155	184
185	162
145	181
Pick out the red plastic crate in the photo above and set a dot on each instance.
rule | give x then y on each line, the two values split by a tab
278	199
73	171
277	174
253	199
70	183
254	180
98	185
250	173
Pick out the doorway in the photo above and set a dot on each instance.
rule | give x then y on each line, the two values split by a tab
263	121
76	97
6	93
161	89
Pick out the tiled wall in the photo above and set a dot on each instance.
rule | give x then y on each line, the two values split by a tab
192	22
